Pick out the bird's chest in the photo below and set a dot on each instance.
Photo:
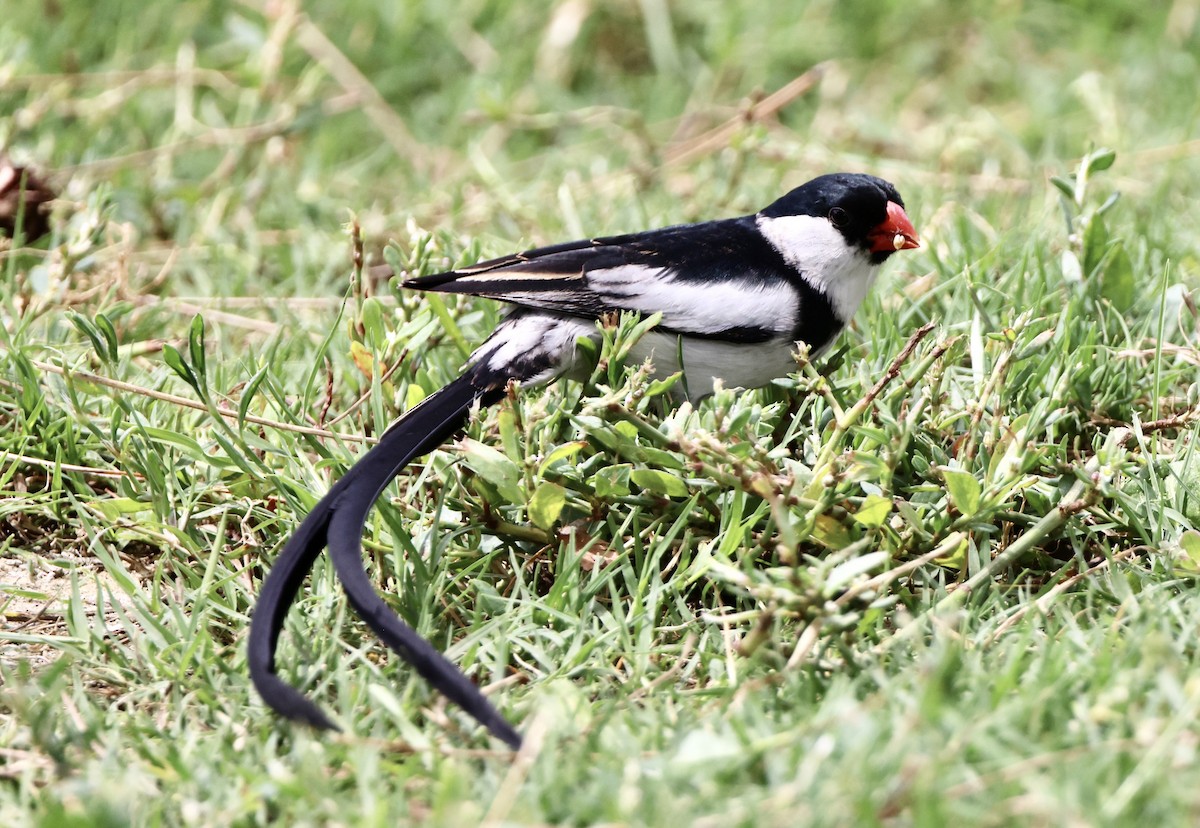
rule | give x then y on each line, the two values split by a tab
703	360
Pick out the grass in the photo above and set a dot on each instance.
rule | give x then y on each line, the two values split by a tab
945	575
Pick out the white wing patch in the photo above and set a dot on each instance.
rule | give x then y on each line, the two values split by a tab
513	273
535	339
698	307
815	247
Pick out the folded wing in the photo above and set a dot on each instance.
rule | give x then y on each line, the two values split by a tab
718	279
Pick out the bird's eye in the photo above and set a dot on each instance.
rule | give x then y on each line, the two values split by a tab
839	217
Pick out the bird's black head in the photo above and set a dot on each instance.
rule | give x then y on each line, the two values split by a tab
867	211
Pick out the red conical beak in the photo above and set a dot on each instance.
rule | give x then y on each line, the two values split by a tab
894	233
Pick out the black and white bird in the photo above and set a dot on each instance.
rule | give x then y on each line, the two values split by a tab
735	295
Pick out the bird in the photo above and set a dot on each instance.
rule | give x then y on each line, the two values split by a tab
735	296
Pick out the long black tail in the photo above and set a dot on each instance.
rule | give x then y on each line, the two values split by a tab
338	520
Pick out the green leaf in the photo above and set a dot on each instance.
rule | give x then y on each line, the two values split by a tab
371	316
105	326
588	348
506	421
636	333
175	362
832	533
660	482
200	454
1072	270
196	347
33	595
600	431
495	468
1190	541
1100	159
627	430
118	507
250	391
1010	454
363	359
1066	187
955	558
964	490
1095	245
1117	284
547	504
865	465
1108	203
612	481
413	396
1184	487
395	259
660	458
561	453
88	328
661	386
873	511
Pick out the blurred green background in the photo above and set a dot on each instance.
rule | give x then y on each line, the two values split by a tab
470	116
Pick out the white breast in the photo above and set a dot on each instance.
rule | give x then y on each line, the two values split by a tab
737	365
537	347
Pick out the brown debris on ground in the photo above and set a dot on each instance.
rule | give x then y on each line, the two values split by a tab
24	195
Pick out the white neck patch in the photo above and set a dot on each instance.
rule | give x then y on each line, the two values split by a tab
815	248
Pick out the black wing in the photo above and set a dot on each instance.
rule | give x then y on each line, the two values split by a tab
719	278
